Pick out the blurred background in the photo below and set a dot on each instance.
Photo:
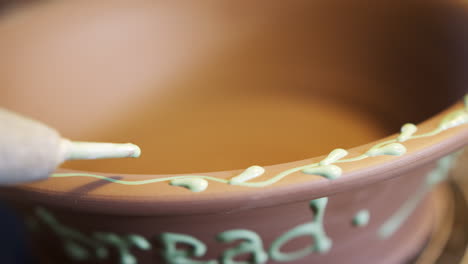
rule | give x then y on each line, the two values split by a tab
417	46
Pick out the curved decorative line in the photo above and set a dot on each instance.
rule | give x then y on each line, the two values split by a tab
398	218
390	147
64	175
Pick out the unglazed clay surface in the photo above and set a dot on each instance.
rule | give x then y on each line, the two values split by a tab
433	178
325	168
219	96
297	88
233	131
82	247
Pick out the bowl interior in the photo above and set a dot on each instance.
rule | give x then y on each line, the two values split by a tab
228	85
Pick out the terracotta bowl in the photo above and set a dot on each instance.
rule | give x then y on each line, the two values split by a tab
270	132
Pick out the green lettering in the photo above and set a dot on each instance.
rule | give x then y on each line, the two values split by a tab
315	229
123	244
251	243
178	256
